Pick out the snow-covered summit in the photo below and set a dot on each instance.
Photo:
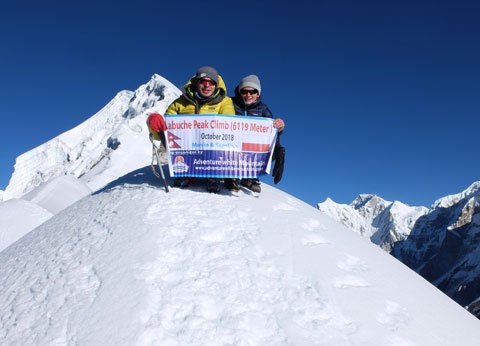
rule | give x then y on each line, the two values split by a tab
383	222
78	151
447	201
133	265
153	96
370	203
347	215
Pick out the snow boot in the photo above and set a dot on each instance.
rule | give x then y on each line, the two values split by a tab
231	184
184	182
213	185
252	184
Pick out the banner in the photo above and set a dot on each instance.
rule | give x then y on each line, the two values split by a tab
219	146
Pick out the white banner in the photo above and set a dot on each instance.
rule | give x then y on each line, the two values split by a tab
219	146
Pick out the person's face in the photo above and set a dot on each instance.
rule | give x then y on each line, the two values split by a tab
249	95
206	87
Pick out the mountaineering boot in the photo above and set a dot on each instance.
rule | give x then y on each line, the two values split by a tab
213	185
184	182
231	184
252	184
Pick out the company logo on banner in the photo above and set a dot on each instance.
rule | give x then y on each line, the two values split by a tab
220	146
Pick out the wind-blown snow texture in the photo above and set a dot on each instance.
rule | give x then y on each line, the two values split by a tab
130	264
133	265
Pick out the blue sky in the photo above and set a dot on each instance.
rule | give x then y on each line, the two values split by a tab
378	96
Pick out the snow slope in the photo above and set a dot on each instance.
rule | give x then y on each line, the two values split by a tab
18	217
133	265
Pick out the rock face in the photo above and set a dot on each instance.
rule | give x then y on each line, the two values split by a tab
474	308
444	244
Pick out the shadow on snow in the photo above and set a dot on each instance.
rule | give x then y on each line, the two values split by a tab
140	176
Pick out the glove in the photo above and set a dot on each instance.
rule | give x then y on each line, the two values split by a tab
156	122
279	124
279	155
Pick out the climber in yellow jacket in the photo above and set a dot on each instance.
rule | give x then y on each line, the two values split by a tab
205	93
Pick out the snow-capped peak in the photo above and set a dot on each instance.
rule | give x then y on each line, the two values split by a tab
450	200
90	145
373	217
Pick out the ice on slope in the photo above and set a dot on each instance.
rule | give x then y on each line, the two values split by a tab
72	152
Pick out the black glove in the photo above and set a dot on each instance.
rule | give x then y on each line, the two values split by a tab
279	155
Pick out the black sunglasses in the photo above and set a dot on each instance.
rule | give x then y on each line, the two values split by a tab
251	92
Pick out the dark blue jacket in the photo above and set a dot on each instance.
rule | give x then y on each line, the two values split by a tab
256	109
260	109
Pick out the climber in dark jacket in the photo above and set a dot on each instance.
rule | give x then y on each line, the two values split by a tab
247	102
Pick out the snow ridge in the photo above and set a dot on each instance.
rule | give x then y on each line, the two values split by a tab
371	216
77	151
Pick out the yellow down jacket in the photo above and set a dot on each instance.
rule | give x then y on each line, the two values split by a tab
218	103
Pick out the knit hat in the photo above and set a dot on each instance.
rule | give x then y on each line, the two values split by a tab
251	81
207	72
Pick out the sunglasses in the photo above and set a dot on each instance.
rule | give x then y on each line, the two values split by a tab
207	82
251	92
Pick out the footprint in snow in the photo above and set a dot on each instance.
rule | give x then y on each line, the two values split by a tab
393	316
289	204
352	264
313	225
350	281
313	239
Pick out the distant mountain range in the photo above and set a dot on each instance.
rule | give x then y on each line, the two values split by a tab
441	243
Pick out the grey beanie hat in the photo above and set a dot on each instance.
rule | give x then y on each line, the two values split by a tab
251	81
207	72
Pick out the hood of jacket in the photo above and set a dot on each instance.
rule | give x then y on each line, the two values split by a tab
188	91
